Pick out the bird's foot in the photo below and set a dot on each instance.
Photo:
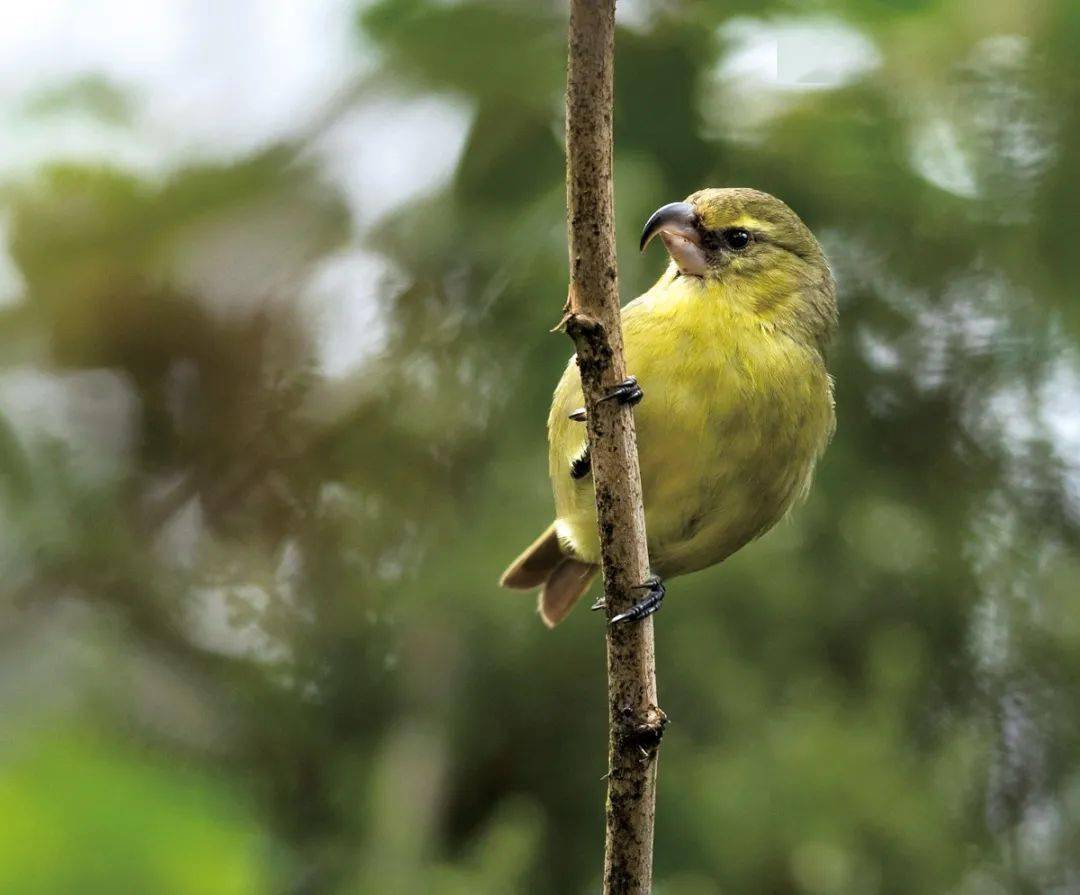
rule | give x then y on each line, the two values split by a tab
600	603
627	392
646	607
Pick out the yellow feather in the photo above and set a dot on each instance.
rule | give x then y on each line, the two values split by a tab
737	411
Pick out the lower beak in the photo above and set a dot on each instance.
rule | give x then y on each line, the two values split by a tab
676	224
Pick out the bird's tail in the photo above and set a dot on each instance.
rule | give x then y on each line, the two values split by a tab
562	578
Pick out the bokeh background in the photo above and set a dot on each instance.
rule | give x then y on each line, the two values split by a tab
276	279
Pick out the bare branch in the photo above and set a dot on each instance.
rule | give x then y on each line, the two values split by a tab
592	320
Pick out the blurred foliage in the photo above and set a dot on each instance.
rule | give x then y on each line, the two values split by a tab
252	639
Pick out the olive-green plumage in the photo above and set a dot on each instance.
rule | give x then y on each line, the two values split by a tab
729	349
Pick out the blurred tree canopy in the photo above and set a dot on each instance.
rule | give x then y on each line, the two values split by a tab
252	638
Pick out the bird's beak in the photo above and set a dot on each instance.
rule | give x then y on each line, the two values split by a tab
676	223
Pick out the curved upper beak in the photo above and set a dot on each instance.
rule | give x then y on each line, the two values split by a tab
676	223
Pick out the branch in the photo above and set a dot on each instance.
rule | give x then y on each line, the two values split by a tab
592	320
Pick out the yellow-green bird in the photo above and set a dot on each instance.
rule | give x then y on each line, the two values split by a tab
729	349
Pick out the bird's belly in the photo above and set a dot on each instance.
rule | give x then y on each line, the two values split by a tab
714	477
720	471
728	438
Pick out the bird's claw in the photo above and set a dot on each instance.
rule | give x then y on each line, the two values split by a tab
627	392
600	603
646	607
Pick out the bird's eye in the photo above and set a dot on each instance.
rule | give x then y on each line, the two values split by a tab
737	238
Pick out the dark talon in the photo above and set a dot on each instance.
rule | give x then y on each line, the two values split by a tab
647	606
627	392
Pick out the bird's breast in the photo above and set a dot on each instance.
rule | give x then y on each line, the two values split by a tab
733	420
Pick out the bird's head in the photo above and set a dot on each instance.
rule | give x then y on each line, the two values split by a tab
756	247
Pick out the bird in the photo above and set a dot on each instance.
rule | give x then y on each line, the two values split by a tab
735	407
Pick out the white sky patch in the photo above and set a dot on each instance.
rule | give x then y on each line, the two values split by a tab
75	137
879	353
392	149
1008	413
633	14
1060	394
12	285
343	298
770	63
178	542
208	80
1020	418
937	156
797	53
226	621
92	412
